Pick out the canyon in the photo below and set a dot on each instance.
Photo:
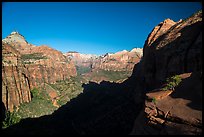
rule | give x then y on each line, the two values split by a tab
161	94
42	64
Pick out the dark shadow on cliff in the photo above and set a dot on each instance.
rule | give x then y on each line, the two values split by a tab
105	108
178	49
3	111
190	89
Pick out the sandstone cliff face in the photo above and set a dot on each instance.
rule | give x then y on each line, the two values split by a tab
172	49
26	66
52	66
19	42
84	60
15	81
120	61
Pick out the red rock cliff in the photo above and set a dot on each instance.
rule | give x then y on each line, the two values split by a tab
15	81
26	66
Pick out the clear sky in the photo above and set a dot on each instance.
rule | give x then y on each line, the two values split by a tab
88	27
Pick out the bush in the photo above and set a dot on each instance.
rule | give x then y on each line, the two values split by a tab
110	75
112	59
67	89
172	82
35	56
154	100
11	119
82	70
60	102
34	92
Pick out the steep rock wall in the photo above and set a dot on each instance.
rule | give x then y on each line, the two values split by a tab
15	81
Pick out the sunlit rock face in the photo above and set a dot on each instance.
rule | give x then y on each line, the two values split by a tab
15	79
18	41
119	61
84	60
26	66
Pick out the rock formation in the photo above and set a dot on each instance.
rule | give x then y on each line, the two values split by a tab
172	49
18	41
24	63
84	60
173	112
51	66
120	61
176	49
15	79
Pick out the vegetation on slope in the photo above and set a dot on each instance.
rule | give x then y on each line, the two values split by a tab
40	105
29	58
99	75
172	82
82	70
11	119
68	89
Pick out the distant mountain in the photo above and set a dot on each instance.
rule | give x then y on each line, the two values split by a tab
14	37
120	61
81	60
110	67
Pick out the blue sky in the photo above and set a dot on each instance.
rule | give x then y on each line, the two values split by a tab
88	27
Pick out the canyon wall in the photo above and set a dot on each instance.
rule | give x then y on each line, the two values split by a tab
15	81
173	49
26	66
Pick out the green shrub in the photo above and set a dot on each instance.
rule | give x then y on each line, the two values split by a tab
110	75
172	82
60	102
27	62
38	94
82	70
34	92
154	100
11	119
68	89
35	56
112	59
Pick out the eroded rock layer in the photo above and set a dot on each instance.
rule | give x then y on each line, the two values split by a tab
15	79
26	66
